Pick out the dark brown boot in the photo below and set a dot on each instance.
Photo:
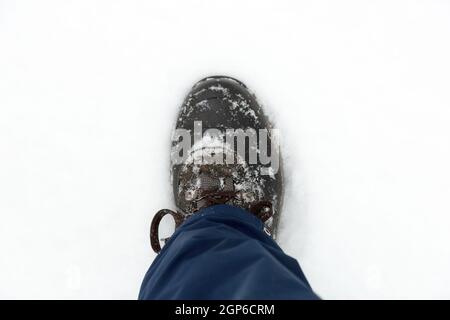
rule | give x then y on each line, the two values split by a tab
224	151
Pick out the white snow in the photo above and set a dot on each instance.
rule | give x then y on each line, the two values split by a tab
89	92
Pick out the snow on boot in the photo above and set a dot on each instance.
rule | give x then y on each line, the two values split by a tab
224	151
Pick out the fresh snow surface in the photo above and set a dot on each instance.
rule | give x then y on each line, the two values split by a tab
89	92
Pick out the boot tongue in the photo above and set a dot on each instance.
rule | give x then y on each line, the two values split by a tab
214	185
208	182
206	175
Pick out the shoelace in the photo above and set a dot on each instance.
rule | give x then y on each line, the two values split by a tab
261	209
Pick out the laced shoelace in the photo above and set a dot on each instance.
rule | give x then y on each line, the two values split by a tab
261	209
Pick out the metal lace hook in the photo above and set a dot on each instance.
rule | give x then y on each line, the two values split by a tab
154	227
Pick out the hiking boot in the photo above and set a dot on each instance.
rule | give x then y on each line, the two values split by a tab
224	151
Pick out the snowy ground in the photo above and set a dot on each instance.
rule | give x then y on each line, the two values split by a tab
359	89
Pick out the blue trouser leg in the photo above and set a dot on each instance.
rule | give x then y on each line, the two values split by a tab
222	252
